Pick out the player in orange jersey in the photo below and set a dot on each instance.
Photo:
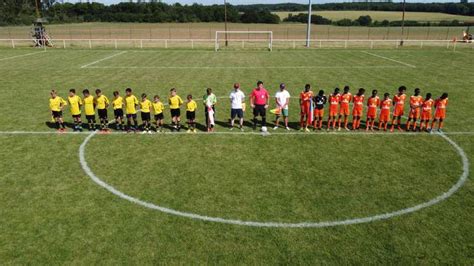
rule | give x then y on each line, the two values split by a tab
358	108
426	108
306	97
346	98
372	103
385	106
416	101
440	114
399	103
334	100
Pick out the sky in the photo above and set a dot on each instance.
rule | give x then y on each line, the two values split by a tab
238	2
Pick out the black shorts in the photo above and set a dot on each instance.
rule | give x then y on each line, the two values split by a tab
236	112
134	116
145	116
118	113
175	112
57	114
76	116
159	116
90	117
102	113
259	110
190	115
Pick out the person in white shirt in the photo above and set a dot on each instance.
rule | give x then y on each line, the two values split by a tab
237	101
282	99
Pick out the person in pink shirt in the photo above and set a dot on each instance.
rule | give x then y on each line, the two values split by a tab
259	100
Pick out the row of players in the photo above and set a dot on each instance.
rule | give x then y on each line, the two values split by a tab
311	113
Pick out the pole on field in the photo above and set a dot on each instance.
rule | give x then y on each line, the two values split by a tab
403	22
225	23
37	8
308	30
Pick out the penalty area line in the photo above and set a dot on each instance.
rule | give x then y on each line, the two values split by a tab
242	67
103	59
22	55
389	59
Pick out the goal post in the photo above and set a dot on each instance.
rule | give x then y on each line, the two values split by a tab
244	39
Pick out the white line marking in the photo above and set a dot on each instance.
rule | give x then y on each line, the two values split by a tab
282	132
462	179
22	55
241	67
389	59
103	59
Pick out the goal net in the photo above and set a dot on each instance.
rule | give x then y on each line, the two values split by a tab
244	40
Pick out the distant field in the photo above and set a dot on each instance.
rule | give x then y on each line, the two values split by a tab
207	31
382	15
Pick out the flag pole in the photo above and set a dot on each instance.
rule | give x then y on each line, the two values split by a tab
403	23
308	30
225	23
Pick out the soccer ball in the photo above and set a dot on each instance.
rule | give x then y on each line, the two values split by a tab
264	129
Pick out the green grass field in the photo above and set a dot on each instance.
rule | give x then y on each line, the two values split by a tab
52	212
384	15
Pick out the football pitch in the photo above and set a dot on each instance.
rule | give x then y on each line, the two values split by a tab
234	197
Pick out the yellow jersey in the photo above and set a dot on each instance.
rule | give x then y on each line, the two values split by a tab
145	106
117	103
102	102
130	103
175	102
75	103
158	107
89	107
191	106
56	103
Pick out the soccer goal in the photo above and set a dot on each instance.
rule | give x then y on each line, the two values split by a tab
244	40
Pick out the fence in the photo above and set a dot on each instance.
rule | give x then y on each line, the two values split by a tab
235	44
286	31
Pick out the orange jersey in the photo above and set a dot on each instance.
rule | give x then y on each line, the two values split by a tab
440	105
399	101
427	105
426	108
305	99
358	105
333	104
415	104
416	101
372	104
345	101
385	106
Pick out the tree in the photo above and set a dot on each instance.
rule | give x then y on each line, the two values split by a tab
364	20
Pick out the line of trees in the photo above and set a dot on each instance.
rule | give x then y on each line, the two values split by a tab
466	9
367	21
23	12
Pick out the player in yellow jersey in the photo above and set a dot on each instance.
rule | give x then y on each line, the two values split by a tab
102	104
145	110
191	107
75	103
175	103
89	109
131	103
56	105
158	108
117	104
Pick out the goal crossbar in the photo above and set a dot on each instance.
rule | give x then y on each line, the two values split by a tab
270	34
